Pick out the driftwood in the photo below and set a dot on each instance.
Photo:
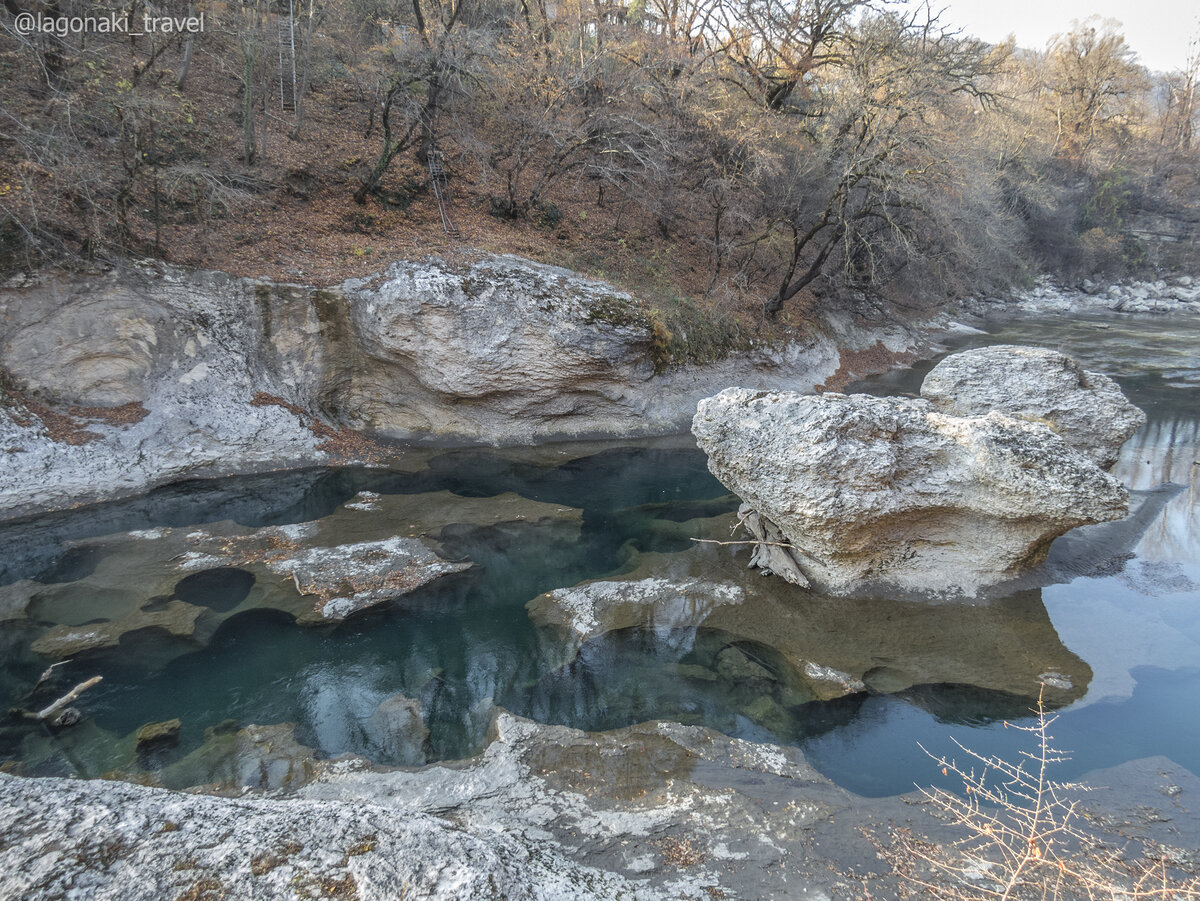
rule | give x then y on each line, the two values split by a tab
48	712
745	541
48	673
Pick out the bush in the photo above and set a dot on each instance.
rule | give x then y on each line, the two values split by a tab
1026	837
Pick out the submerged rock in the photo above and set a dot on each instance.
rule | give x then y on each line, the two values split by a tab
350	578
175	618
158	735
68	717
735	665
15	598
232	759
890	492
1087	409
800	640
596	608
398	730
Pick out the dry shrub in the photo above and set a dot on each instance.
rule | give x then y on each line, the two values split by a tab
1026	838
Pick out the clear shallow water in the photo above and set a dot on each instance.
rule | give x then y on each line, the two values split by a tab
1127	630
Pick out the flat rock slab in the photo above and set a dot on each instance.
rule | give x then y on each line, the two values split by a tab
345	579
596	608
129	842
175	618
350	578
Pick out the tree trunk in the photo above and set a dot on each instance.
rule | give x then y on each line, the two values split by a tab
249	145
186	65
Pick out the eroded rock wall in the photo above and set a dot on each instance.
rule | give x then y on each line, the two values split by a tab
118	382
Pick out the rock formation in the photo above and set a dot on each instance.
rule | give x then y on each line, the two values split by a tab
654	811
521	821
890	492
1178	294
349	578
895	645
116	382
1087	409
597	608
65	641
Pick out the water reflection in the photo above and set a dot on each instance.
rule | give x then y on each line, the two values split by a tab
1166	450
1119	634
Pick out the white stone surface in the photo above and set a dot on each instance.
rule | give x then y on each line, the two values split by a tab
1087	409
889	492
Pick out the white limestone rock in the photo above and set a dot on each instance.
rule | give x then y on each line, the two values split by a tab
349	578
238	375
596	608
110	840
1087	409
891	493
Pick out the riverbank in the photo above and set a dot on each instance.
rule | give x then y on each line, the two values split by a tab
117	383
655	811
649	811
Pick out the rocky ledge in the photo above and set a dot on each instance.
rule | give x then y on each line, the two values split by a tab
859	492
1177	294
116	382
655	811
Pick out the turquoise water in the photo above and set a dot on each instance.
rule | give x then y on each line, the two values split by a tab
1121	608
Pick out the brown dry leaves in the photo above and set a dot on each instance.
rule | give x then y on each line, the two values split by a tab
342	444
69	427
856	364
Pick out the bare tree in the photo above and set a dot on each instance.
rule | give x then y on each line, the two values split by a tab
779	45
251	34
432	62
855	199
1179	115
1093	74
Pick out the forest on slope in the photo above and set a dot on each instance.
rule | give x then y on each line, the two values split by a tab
734	162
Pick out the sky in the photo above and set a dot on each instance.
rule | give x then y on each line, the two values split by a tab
1158	30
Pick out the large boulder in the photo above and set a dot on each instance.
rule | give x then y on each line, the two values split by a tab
1086	408
876	492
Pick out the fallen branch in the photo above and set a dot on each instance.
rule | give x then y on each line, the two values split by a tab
48	673
747	541
62	702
